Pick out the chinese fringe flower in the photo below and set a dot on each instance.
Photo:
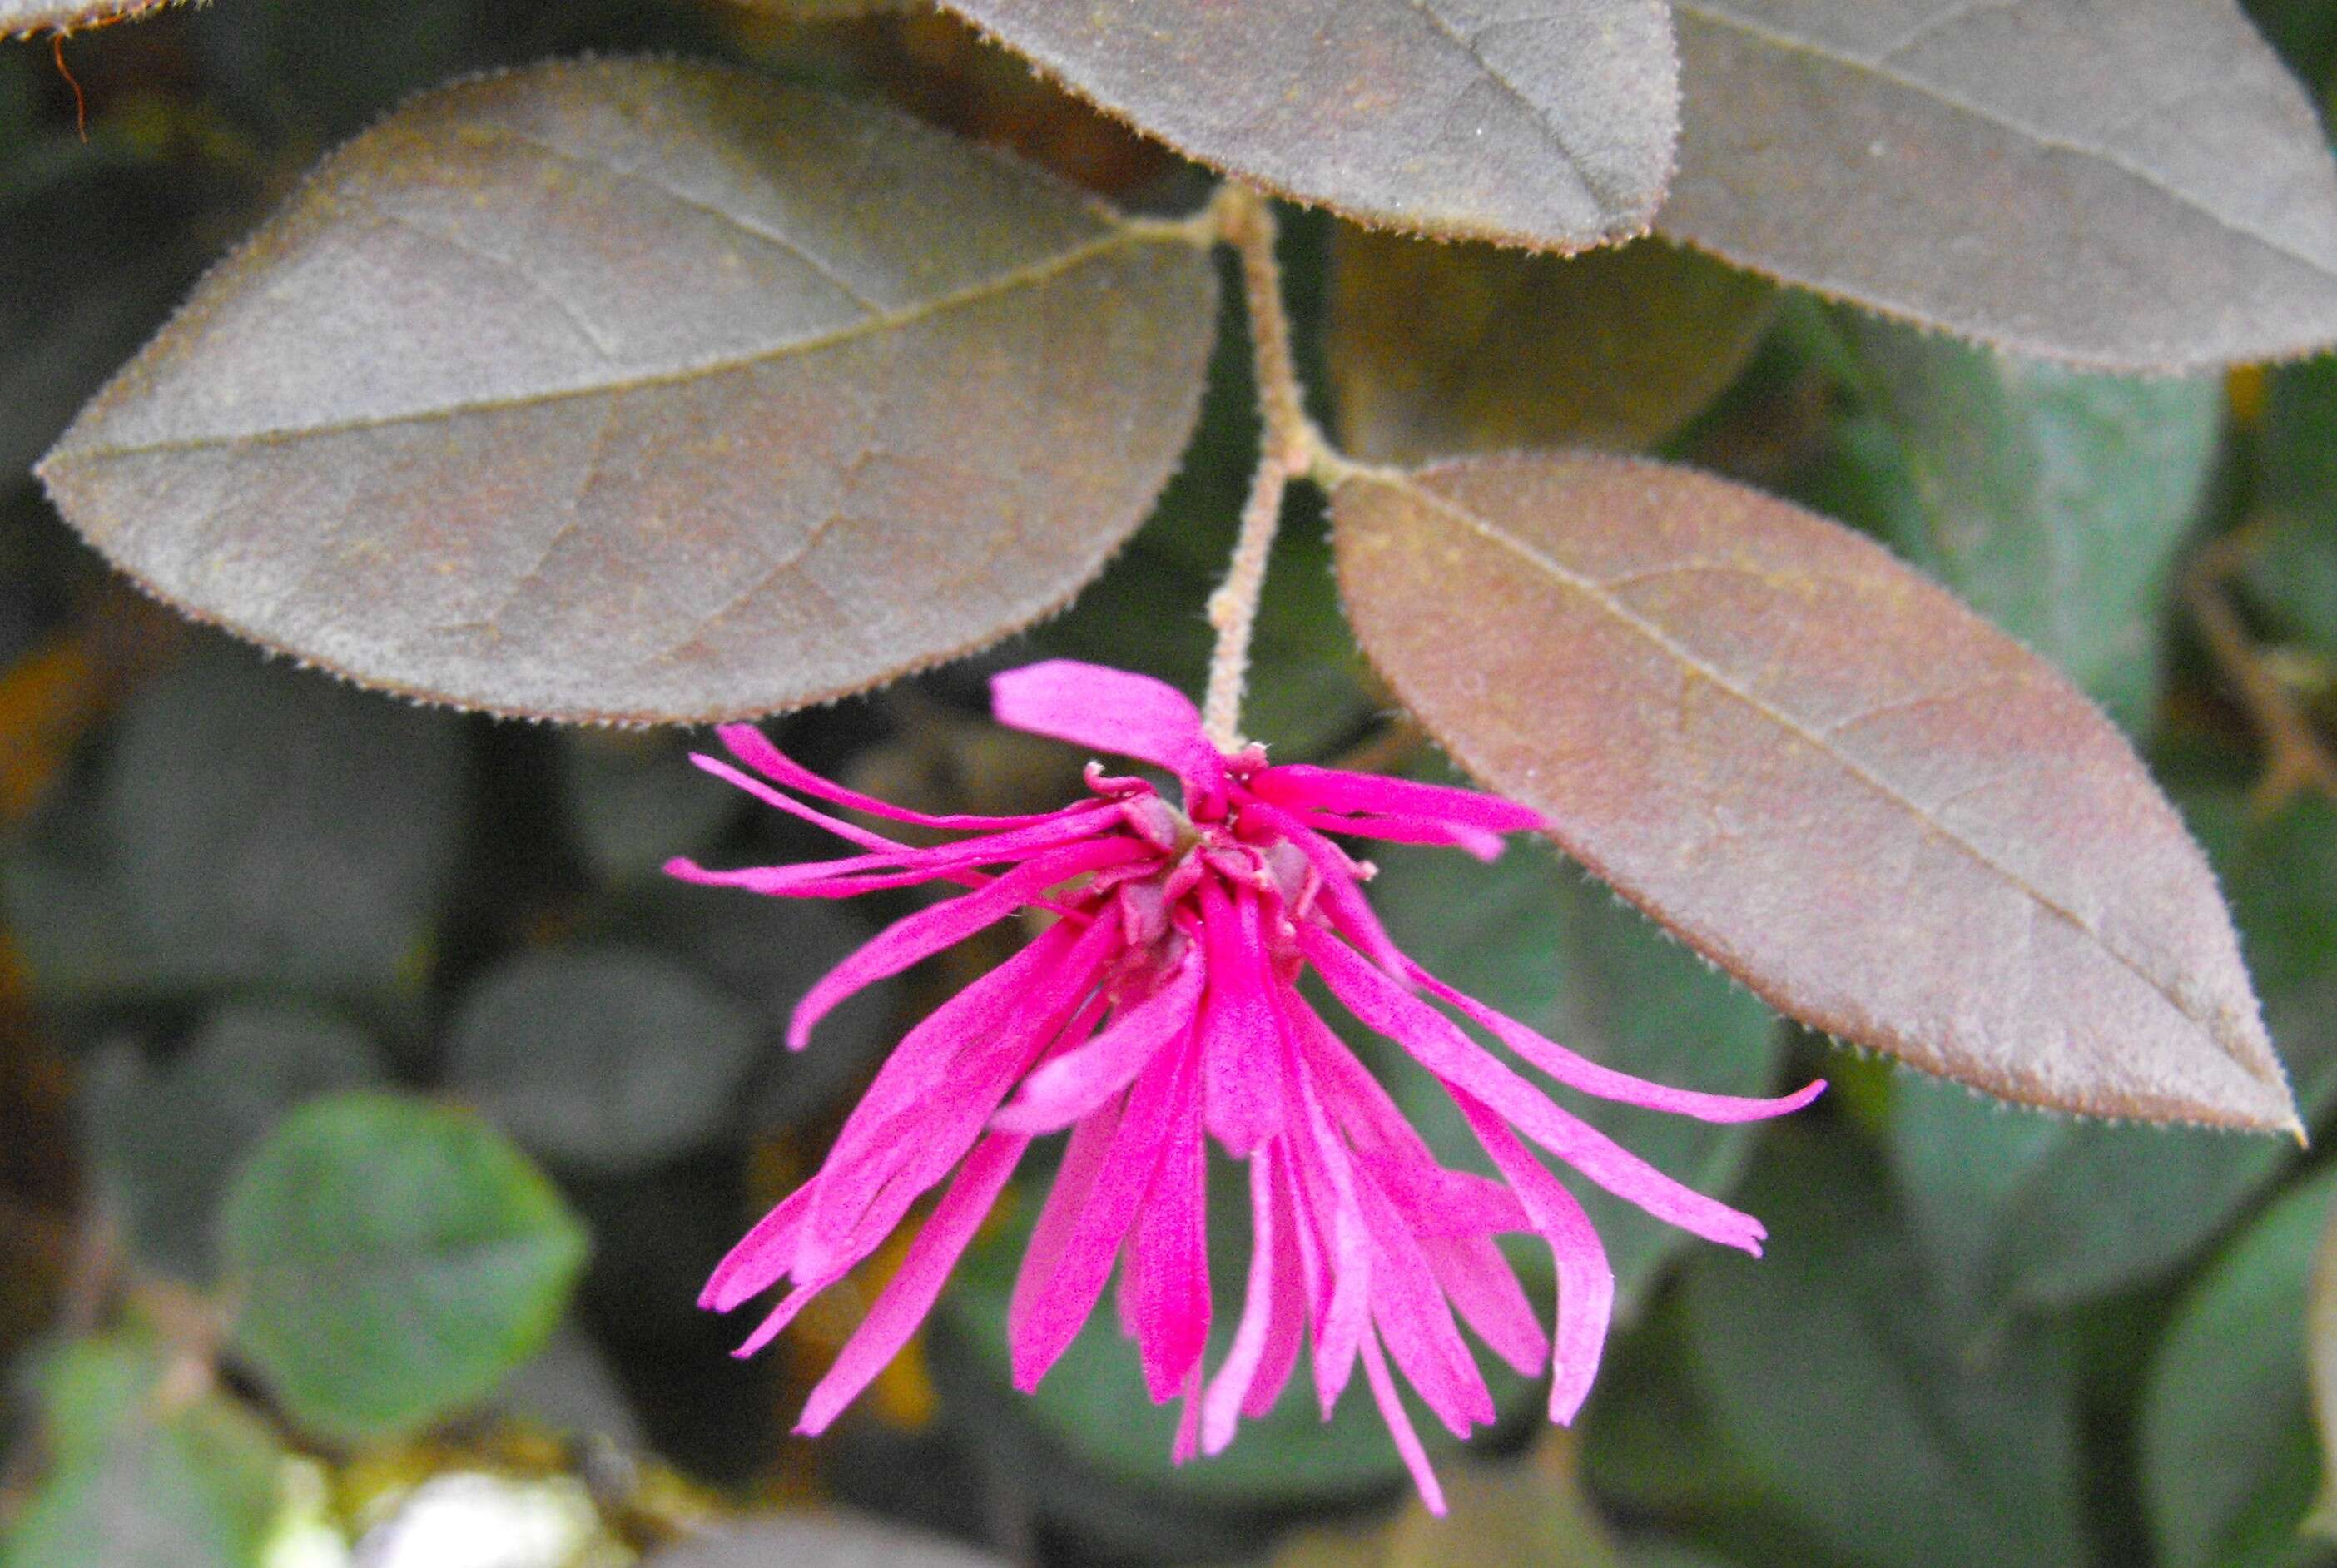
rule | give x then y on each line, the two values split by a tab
1158	1010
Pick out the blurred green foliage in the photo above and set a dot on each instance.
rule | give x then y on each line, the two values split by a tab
391	1052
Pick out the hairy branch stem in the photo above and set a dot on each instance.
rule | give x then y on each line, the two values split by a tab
1292	448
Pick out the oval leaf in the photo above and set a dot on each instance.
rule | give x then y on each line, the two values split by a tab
2136	186
630	390
1554	128
1440	349
394	1261
601	1059
1825	774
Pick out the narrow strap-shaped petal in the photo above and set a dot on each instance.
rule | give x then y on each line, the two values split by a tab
1415	1322
780	1315
1074	1084
1591	1077
1286	1327
1327	1185
1399	1425
1485	1290
910	1294
1188	1442
1439	1044
1397	830
1307	787
1339	898
930	931
1585	1280
753	747
850	832
1114	710
1166	1270
1221	1406
929	1100
1240	1034
1061	1306
906	867
1066	1199
761	1256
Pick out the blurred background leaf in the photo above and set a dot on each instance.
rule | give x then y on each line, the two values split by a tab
2230	1460
391	1261
1439	350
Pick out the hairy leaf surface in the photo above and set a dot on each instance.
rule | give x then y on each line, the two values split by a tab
1552	126
634	390
1824	773
2138	185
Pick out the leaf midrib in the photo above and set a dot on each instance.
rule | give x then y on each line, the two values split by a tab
1788	42
1124	233
1616	609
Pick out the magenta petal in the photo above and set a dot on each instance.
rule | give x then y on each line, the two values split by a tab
941	1083
1586	1281
1485	1291
1240	1034
1067	1088
1066	1199
1341	899
1221	1406
1399	1425
1188	1441
850	832
930	931
1327	1193
906	868
1116	711
1580	1072
910	1294
1059	1308
1415	1322
1310	789
1475	841
761	1256
775	1324
753	747
1167	1278
1438	1043
1287	1325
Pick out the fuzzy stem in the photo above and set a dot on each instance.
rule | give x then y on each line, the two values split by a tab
1291	448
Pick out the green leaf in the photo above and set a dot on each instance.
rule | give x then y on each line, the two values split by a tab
2138	187
142	1477
1896	1443
2229	1461
394	1259
1538	939
601	1059
256	826
1440	349
1818	768
2054	501
165	1139
2293	574
1552	128
674	395
2016	1209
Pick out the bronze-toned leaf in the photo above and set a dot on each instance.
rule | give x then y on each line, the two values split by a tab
19	19
1553	127
633	390
2137	185
1820	770
1435	350
2321	1362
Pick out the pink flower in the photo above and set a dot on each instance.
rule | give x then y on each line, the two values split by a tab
1160	1009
